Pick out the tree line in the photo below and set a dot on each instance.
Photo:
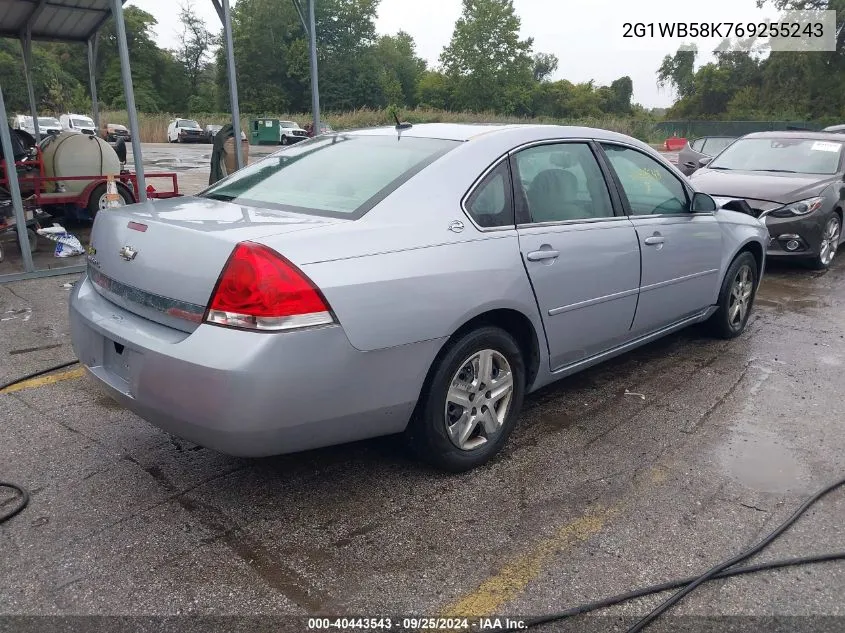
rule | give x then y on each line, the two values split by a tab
486	67
794	86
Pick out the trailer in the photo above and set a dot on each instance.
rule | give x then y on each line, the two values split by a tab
52	195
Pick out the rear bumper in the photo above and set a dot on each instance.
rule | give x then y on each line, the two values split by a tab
244	393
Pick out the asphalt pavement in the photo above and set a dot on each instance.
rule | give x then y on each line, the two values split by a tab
655	465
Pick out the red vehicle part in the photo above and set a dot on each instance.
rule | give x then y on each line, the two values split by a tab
674	143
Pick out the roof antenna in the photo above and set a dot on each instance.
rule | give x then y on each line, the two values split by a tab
400	126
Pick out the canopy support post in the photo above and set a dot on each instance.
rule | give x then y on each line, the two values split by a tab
233	83
126	73
92	79
315	91
26	47
14	187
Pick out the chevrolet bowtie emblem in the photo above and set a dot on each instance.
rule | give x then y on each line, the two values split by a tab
128	253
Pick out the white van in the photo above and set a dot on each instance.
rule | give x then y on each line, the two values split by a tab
46	124
78	123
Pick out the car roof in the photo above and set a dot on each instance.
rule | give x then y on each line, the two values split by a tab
800	134
469	131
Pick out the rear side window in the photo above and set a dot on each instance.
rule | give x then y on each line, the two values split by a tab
562	182
341	176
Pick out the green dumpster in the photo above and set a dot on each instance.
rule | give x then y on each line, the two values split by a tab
264	131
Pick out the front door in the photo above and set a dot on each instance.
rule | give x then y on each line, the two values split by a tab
583	259
681	250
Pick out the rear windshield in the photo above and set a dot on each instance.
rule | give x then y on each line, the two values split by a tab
341	176
791	155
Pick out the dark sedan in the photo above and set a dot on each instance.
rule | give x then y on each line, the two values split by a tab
704	147
795	179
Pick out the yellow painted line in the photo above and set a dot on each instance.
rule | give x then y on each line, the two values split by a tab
34	383
512	579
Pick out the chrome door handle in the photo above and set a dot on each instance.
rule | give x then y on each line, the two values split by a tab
537	256
651	241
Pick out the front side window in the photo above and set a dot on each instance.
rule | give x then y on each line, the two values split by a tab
562	182
651	189
698	144
342	176
490	205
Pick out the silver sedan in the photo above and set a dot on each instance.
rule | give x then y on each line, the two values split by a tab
417	280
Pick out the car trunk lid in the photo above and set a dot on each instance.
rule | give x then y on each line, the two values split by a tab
161	260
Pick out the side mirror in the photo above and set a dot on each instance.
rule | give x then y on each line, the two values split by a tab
702	162
703	203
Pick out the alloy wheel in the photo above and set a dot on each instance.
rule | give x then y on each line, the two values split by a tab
739	303
830	240
479	399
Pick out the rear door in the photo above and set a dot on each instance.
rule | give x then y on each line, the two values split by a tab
681	250
582	258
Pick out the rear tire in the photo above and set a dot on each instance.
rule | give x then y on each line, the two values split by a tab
483	369
736	298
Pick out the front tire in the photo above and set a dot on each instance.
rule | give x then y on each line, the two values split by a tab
284	140
831	233
471	403
736	298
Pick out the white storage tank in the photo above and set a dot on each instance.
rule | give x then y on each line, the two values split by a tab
76	154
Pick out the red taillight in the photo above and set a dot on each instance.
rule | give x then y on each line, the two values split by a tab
260	290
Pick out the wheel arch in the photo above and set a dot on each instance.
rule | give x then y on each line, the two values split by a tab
757	251
512	321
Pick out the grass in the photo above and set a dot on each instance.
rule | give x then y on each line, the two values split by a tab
153	127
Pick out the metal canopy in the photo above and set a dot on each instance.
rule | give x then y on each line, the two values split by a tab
57	20
80	21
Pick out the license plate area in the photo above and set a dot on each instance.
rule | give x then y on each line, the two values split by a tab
118	360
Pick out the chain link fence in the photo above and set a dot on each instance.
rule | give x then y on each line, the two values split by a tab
696	129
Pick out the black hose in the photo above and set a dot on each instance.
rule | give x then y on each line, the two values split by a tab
718	571
37	373
675	584
22	503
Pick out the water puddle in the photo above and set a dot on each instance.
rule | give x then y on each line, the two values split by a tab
755	455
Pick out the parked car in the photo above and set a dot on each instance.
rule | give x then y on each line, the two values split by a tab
704	147
185	131
46	124
78	123
367	284
794	180
290	132
114	131
835	128
210	131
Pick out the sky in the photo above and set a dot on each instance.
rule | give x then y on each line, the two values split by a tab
586	35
